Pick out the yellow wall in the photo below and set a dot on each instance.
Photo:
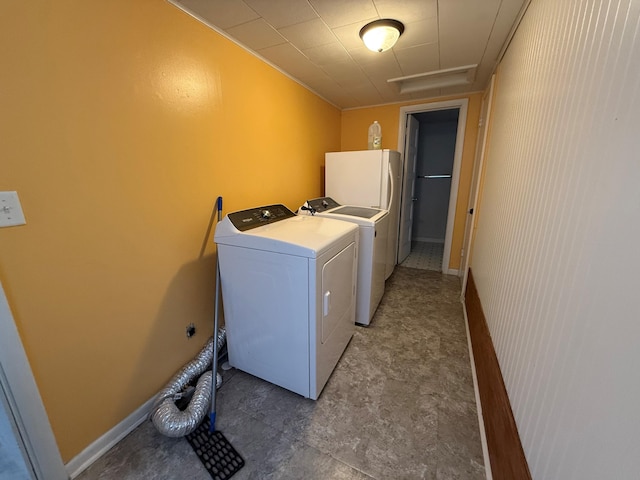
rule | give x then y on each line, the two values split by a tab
121	123
489	126
354	137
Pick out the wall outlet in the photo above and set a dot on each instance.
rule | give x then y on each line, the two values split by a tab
10	210
191	330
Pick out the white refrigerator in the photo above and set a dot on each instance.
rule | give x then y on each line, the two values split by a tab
368	178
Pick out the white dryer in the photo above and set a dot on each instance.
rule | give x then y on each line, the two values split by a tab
288	289
372	259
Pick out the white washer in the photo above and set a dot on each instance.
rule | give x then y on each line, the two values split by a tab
288	288
372	259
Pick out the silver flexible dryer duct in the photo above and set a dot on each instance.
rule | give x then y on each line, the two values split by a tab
166	416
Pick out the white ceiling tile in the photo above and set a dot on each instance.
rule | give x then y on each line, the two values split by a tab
457	52
418	33
377	65
456	13
366	88
318	81
287	57
368	95
354	104
456	90
256	34
338	96
347	73
420	59
407	10
427	94
389	92
464	31
345	96
327	54
282	13
363	55
308	34
317	41
373	98
324	86
221	13
509	10
382	72
344	12
356	83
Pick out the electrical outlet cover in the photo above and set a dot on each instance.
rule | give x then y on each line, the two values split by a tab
10	210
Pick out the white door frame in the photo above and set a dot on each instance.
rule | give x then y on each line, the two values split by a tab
467	243
408	186
461	104
25	403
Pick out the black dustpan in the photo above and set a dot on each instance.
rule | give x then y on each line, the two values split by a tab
215	452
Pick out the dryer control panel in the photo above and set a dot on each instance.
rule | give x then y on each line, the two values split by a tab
256	217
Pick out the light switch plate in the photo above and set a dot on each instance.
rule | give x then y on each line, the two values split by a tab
10	210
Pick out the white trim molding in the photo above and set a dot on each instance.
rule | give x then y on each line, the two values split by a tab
24	401
102	445
462	105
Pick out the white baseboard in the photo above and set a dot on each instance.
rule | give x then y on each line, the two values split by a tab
453	271
483	434
102	445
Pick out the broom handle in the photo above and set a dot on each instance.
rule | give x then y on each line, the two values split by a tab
214	368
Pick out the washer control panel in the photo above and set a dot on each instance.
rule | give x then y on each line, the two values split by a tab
322	204
256	217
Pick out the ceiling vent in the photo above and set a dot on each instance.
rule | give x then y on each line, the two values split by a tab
449	77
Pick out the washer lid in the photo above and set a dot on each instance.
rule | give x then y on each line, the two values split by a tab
328	207
304	236
363	212
363	216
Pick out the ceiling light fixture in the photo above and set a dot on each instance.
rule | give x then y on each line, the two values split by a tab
382	34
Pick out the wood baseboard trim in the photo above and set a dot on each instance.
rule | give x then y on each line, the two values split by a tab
506	455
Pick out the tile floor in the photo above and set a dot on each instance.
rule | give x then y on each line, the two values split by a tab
425	255
399	405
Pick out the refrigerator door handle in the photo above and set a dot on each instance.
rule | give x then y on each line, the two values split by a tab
391	184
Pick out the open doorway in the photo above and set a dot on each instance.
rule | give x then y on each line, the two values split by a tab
432	187
29	450
432	137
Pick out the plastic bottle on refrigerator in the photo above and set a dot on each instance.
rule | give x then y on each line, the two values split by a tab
375	136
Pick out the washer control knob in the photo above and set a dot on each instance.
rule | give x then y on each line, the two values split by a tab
266	214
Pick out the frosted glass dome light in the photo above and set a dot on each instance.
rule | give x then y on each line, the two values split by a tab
382	34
